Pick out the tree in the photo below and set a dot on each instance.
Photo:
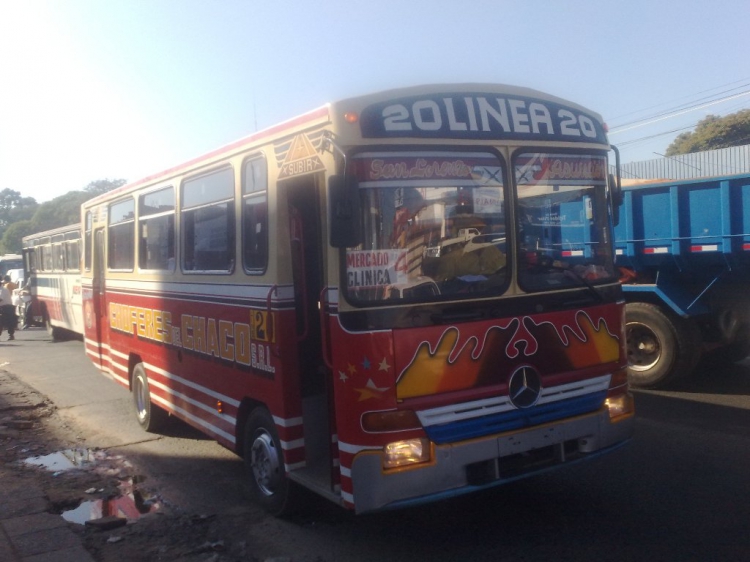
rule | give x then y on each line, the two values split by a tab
714	132
98	187
14	208
61	211
11	240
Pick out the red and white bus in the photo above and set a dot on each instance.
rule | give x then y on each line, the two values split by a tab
313	298
52	260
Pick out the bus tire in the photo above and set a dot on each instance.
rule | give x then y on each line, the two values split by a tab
57	334
264	465
21	314
150	416
661	346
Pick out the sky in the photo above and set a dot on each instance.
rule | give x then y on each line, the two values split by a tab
95	89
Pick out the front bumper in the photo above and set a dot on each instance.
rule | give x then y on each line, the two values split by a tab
467	466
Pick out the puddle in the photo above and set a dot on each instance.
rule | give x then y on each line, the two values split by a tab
67	459
131	504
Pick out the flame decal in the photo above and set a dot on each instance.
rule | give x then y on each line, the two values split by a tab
452	364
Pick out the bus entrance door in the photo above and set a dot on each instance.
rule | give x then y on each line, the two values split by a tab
307	268
99	301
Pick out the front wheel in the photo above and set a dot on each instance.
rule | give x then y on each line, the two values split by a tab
662	347
150	417
264	463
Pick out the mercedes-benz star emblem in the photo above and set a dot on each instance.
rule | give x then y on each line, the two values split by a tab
525	387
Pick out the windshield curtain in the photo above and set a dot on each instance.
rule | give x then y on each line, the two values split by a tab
562	221
434	226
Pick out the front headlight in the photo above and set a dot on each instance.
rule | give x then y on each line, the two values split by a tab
407	452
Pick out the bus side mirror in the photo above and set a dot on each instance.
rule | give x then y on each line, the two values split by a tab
615	190
343	201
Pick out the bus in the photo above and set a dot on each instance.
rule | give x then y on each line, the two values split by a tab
285	295
52	262
10	261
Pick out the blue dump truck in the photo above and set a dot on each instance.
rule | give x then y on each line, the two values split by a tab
683	250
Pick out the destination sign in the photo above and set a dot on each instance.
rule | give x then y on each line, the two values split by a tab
560	169
427	169
479	116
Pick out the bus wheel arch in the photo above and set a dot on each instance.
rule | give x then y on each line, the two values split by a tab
264	464
149	416
247	407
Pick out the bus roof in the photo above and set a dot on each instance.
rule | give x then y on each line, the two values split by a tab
52	232
236	146
335	113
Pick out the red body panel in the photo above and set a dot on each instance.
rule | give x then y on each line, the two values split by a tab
425	367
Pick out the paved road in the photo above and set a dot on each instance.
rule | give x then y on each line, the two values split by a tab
679	491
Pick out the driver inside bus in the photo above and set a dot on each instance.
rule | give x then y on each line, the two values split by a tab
479	262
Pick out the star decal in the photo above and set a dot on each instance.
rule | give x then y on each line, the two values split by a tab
370	391
384	366
351	368
366	363
342	376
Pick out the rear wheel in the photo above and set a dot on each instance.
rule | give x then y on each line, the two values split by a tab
662	347
21	314
149	415
737	350
54	332
733	352
264	462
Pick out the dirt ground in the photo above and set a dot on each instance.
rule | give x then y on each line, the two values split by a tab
106	486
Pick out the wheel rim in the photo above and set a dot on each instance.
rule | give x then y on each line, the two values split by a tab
644	347
264	462
141	399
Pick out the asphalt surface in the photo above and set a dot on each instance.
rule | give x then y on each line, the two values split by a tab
679	490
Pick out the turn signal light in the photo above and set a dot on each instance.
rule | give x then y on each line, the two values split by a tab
393	420
620	406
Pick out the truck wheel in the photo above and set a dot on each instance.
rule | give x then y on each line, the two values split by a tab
150	416
264	464
662	347
736	351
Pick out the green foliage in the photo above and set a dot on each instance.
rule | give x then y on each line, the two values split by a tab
14	208
61	211
714	132
103	186
21	216
11	240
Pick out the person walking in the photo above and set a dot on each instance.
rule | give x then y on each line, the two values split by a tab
9	284
8	318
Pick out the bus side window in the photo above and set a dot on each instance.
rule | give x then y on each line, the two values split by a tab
208	222
121	236
156	230
255	215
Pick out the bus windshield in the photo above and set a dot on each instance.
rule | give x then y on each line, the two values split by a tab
562	225
434	226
